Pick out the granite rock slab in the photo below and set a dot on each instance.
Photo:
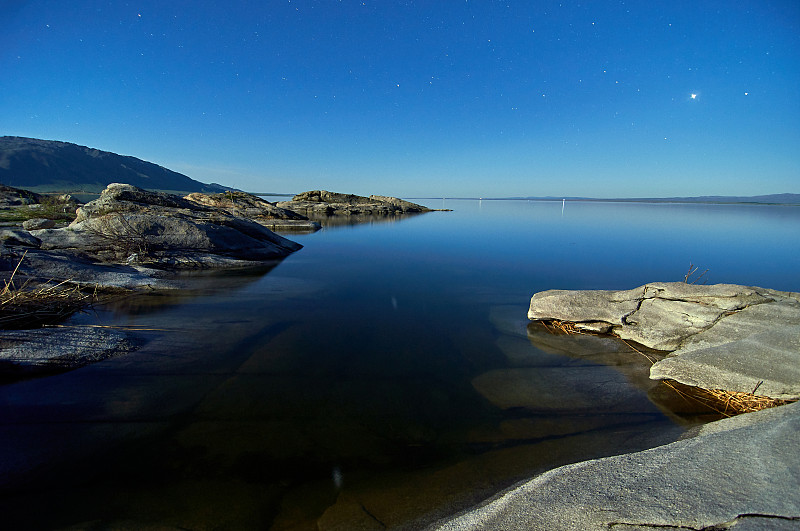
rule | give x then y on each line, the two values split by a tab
130	238
742	473
724	336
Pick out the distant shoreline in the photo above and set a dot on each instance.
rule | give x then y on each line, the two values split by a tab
778	201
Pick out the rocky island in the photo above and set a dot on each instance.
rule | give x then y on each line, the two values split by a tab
324	203
741	472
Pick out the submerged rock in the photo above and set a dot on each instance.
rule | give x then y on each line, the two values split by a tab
729	337
587	390
49	350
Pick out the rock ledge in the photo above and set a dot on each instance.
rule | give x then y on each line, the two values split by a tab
735	473
724	336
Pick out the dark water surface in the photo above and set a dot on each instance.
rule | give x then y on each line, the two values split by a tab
383	376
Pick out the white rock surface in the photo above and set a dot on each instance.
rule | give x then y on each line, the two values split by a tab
723	336
741	473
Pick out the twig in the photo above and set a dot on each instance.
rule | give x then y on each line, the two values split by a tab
692	270
651	360
11	279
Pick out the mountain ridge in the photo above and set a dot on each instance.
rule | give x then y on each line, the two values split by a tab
54	165
57	166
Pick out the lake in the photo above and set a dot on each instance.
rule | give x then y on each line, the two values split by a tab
383	376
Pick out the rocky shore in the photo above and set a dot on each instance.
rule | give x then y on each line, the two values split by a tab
130	237
740	472
737	473
134	239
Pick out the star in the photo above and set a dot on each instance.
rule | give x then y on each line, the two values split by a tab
694	96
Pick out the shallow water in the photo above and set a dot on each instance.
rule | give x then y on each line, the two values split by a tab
383	376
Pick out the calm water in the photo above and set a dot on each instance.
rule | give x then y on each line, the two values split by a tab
383	376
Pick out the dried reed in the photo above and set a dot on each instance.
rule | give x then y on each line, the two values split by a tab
692	270
554	326
726	403
29	306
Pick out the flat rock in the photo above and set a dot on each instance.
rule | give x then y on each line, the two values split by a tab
44	350
774	372
17	237
291	225
45	265
722	336
38	223
742	472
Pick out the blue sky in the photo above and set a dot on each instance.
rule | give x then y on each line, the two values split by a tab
433	98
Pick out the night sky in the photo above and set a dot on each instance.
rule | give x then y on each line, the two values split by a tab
433	98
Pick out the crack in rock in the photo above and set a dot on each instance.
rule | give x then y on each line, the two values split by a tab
722	526
375	518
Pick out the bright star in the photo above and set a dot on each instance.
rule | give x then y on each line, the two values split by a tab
694	96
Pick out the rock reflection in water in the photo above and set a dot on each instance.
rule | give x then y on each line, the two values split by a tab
360	219
186	285
631	360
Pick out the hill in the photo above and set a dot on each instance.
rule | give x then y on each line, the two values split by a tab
51	166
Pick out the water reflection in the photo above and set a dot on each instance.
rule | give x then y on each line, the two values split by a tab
360	219
631	360
187	285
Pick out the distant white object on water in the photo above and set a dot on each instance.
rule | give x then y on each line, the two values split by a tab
562	206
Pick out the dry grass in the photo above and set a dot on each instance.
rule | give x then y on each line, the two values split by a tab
555	326
726	403
30	306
